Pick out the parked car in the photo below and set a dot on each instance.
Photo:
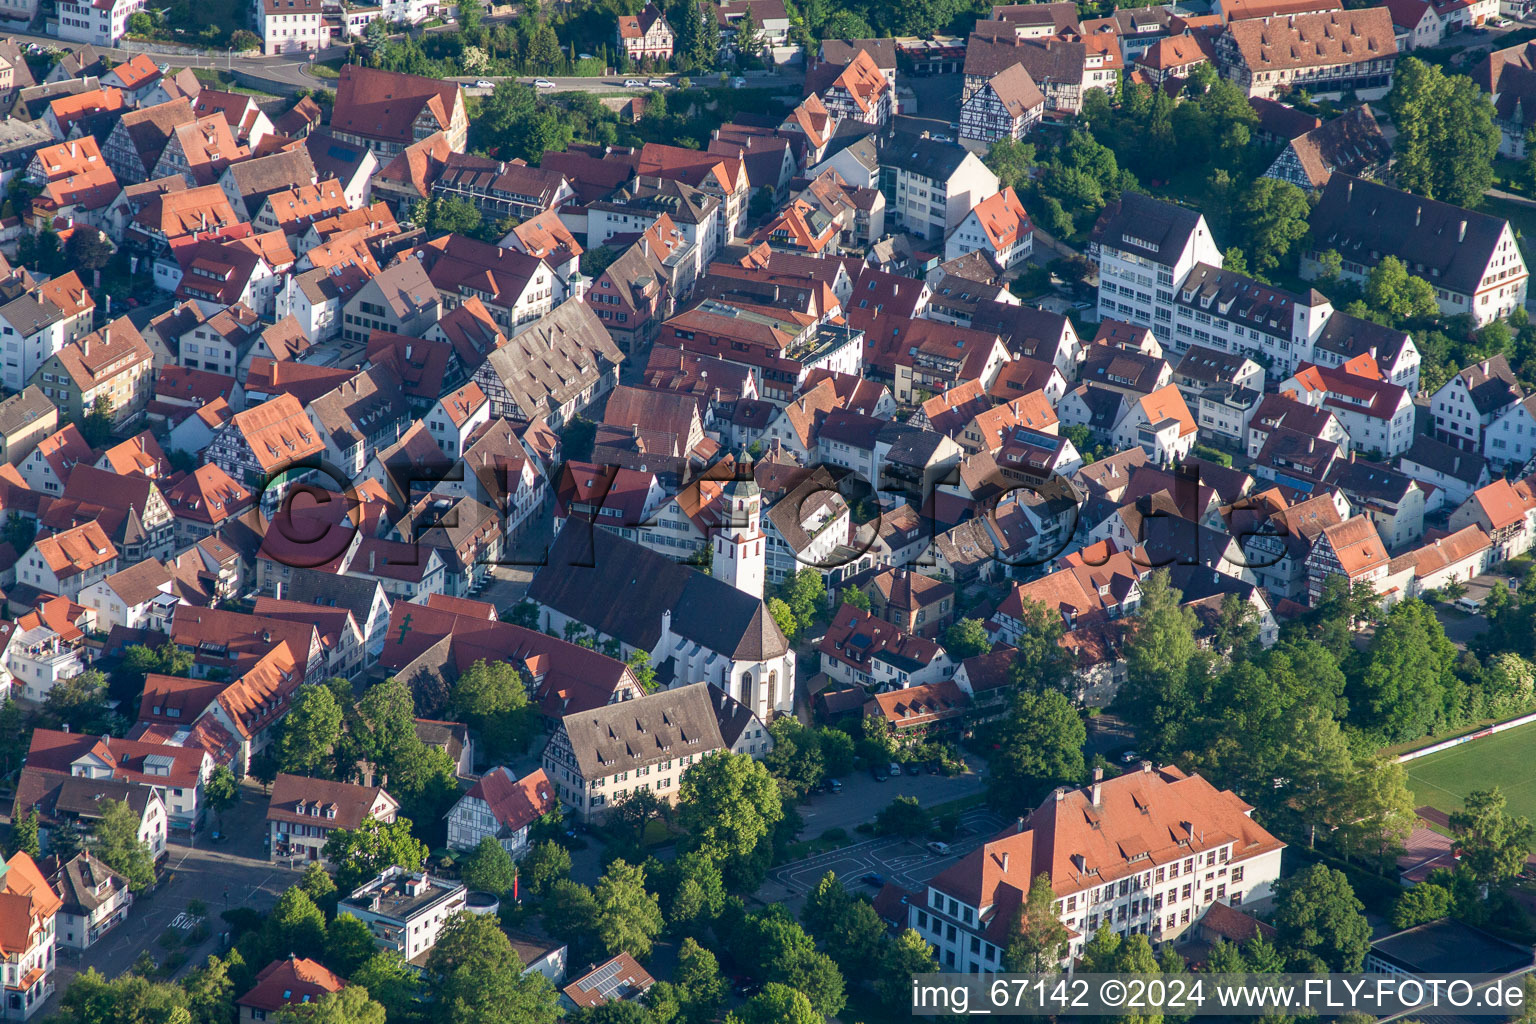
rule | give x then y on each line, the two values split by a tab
1470	605
659	83
738	82
485	83
939	849
874	879
913	768
878	773
1129	757
834	786
634	83
543	83
895	769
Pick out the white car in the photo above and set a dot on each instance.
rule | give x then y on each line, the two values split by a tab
485	83
633	83
543	83
659	83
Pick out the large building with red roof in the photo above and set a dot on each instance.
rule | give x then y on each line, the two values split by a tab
1147	853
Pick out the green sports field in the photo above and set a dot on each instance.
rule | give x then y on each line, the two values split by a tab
1507	760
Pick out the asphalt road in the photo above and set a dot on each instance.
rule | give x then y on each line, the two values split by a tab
286	69
615	84
906	862
234	873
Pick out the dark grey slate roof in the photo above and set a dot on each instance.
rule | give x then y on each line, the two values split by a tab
620	588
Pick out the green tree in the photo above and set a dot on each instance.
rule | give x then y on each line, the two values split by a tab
1329	265
645	674
1447	139
97	425
316	883
700	985
309	733
88	248
492	699
966	639
1038	940
749	37
351	1005
854	598
490	867
904	817
222	791
211	991
295	926
1319	923
628	917
348	944
78	703
1012	161
23	837
115	841
777	1004
1039	746
846	926
544	864
697	893
729	805
1421	904
446	215
361	853
905	956
570	913
392	982
796	756
806	594
1274	215
1494	844
476	977
140	23
1398	294
544	48
128	999
1159	653
1040	661
1409	681
784	618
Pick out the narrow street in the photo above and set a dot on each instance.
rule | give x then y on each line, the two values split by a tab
232	873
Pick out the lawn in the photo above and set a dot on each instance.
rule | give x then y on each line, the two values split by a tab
1442	780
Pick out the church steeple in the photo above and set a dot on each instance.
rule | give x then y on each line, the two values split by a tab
740	558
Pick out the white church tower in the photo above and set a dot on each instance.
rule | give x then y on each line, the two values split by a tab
740	555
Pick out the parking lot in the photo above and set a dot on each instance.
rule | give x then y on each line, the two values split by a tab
906	862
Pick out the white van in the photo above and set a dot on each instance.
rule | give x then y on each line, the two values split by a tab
1469	605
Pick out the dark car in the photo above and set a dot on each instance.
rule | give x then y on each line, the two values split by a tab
834	786
914	768
933	768
878	773
876	880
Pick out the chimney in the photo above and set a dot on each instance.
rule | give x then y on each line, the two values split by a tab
1098	786
1005	862
1349	190
373	558
1461	231
277	590
85	345
1146	766
1080	862
1418	215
